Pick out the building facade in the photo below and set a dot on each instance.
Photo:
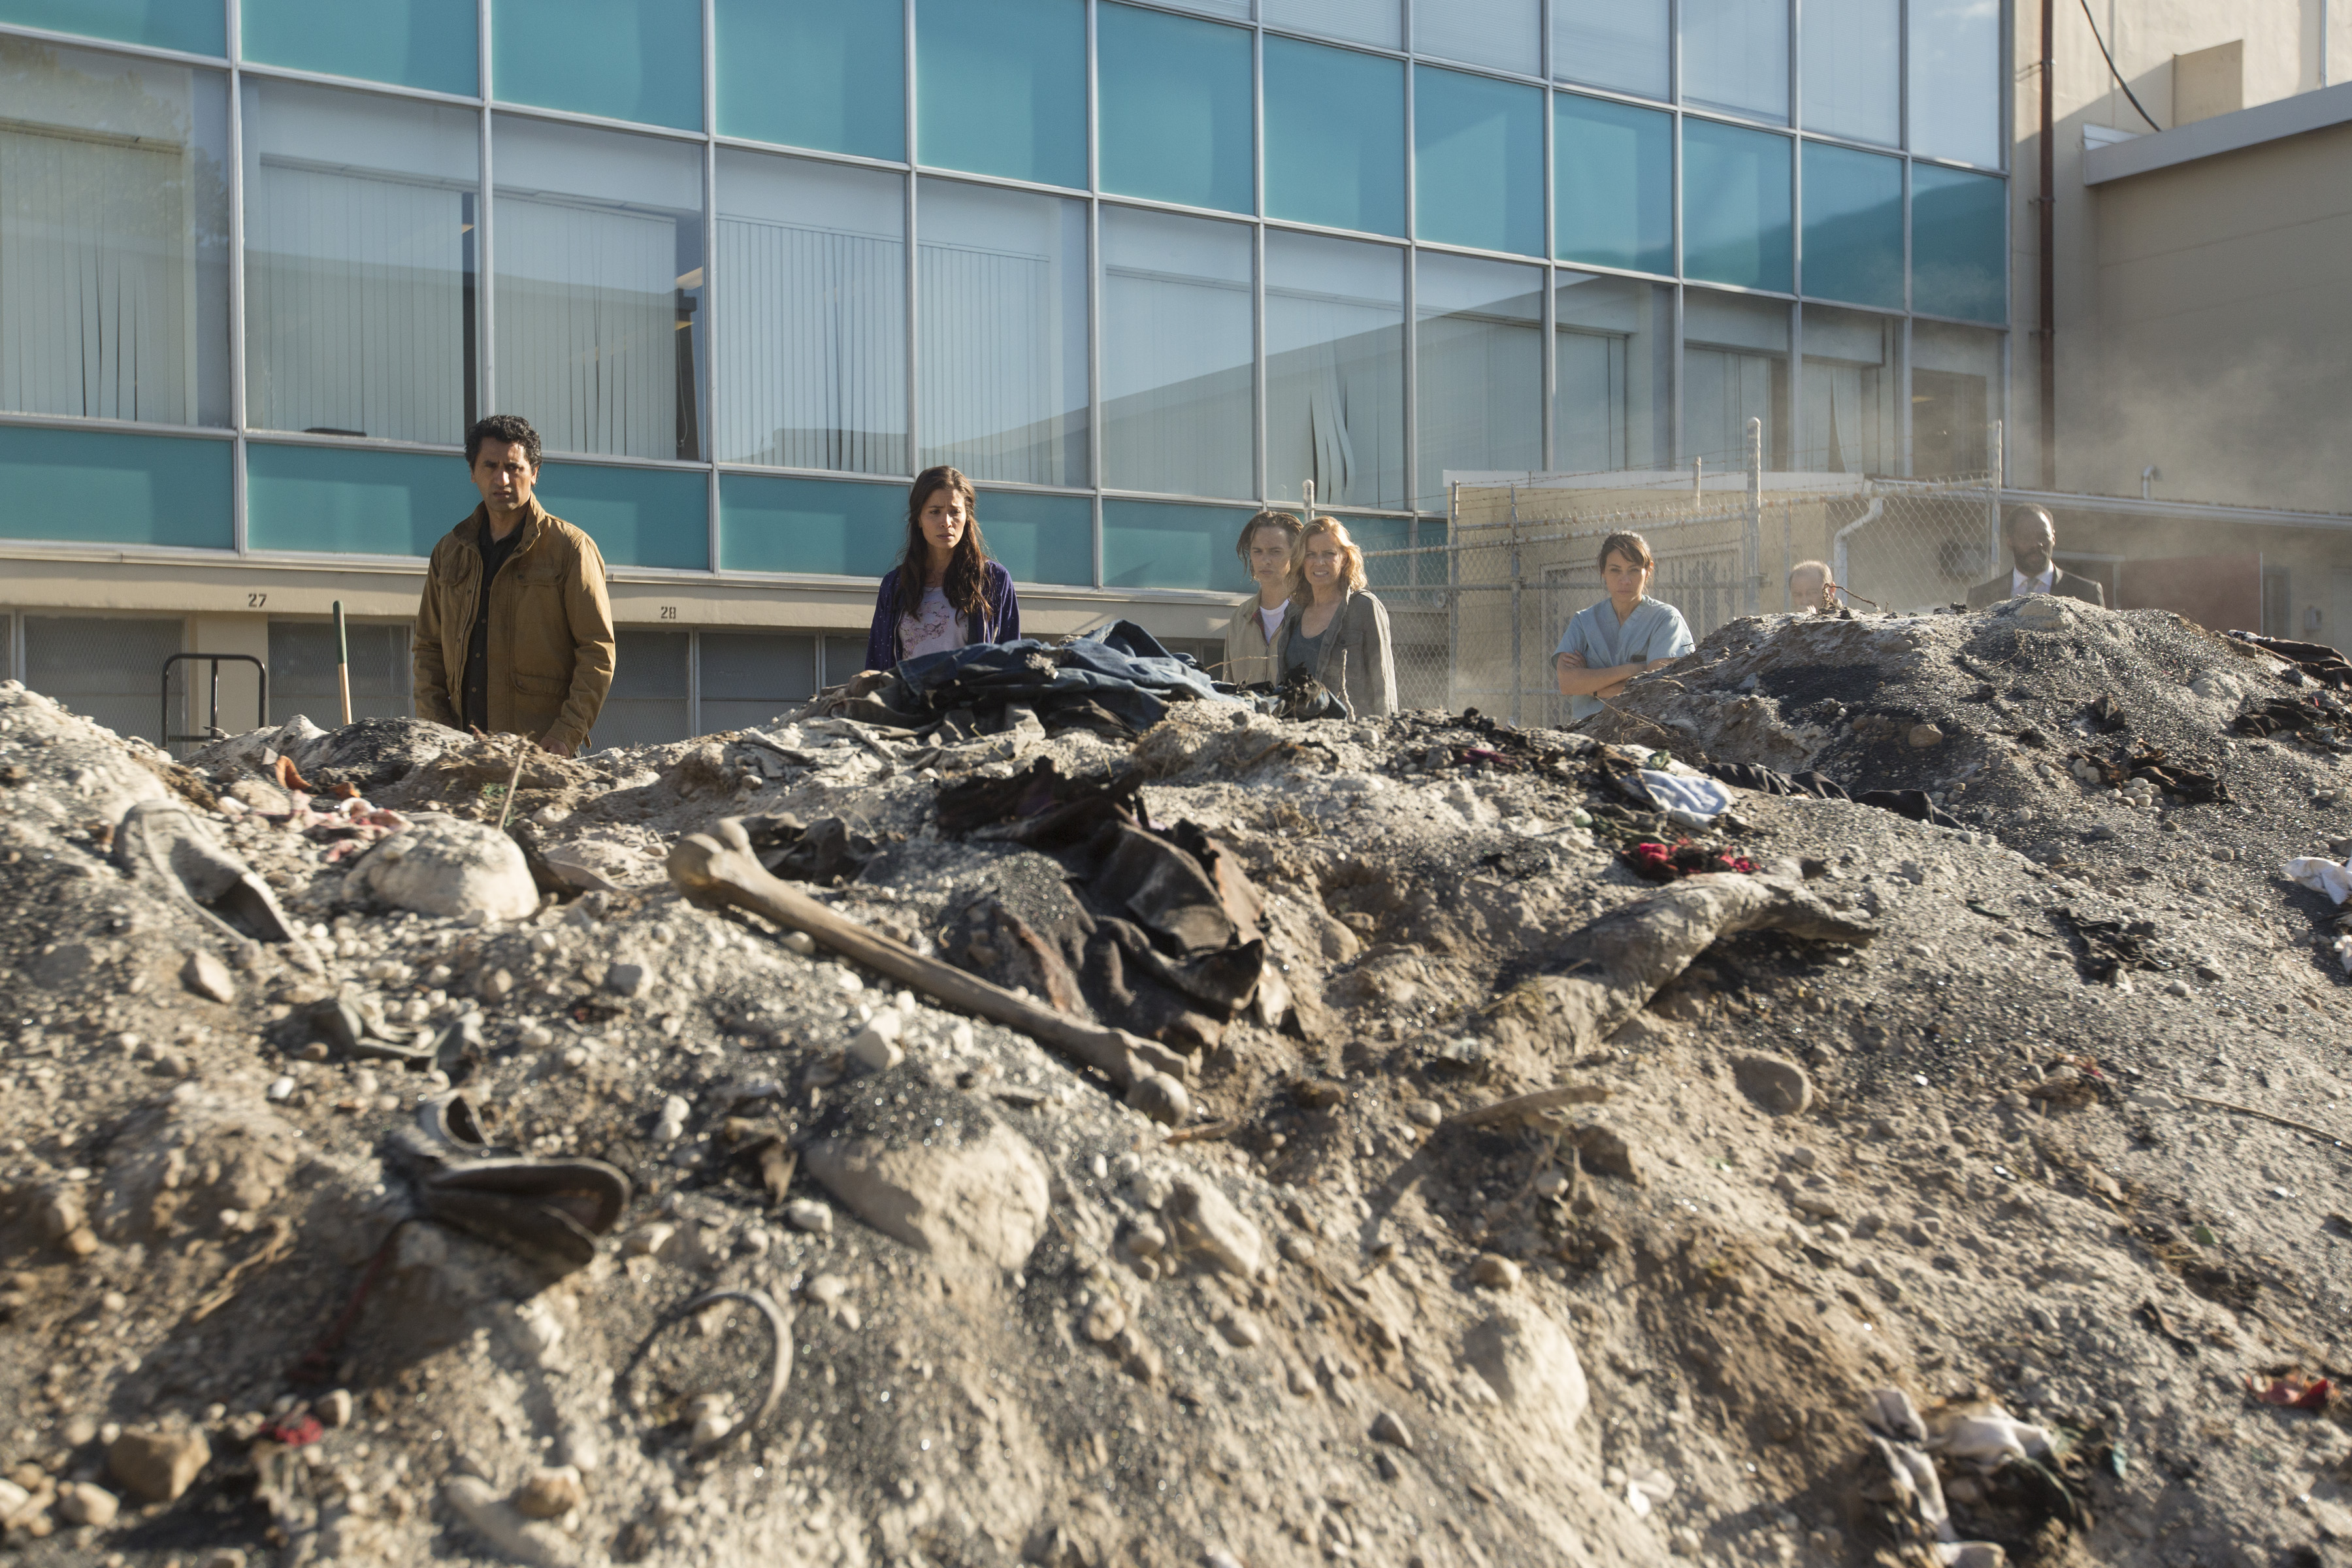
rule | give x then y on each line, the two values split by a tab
749	264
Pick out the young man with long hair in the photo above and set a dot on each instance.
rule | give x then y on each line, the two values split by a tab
945	593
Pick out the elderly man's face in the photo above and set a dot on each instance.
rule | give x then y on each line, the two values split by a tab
2031	541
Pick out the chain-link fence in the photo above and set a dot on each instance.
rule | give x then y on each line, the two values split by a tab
1475	615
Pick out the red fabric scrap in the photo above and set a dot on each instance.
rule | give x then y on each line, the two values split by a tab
1660	863
296	1434
289	777
2294	1391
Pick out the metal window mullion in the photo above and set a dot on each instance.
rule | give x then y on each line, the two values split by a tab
237	409
1094	273
1550	456
1259	379
486	310
1415	500
707	424
693	682
1903	400
908	254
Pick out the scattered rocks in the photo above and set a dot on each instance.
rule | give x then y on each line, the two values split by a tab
1494	1272
1775	1083
1388	1427
80	1503
1221	1230
506	1526
1532	1367
157	1467
550	1492
333	1408
448	867
807	1214
208	977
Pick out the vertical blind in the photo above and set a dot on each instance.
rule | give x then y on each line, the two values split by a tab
587	320
993	393
355	304
814	365
98	276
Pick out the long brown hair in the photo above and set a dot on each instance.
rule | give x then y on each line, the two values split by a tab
1351	560
966	586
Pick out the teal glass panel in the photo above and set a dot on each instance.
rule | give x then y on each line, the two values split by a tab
1853	225
1477	161
813	73
100	487
416	43
1040	537
823	526
1612	184
352	498
1166	545
1956	81
1736	206
1000	87
1334	137
625	59
1958	244
638	517
1173	96
198	26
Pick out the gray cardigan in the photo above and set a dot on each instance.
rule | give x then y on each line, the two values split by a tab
1357	663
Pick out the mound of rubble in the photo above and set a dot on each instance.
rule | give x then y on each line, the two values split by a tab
1420	1141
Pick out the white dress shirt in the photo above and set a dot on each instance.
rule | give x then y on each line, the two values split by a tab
2020	585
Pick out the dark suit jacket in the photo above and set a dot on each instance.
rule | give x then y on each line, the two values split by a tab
1985	596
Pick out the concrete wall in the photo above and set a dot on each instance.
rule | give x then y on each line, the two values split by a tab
2103	442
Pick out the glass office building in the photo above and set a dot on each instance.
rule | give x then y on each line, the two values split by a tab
749	264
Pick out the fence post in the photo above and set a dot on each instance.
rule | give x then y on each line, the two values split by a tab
1754	543
1454	597
1992	495
1518	671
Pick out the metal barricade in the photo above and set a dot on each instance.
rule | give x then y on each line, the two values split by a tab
212	731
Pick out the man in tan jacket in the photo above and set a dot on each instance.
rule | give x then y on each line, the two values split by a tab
533	654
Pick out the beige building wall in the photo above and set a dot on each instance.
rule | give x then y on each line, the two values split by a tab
2205	263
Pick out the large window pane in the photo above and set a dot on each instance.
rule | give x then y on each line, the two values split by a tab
1854	381
302	673
416	43
1612	399
813	73
1613	185
359	258
351	499
110	668
1000	87
625	59
1853	225
113	237
1040	537
1853	69
1735	217
1174	97
102	487
638	517
651	698
1478	162
811	315
1955	399
1735	369
1619	44
1334	369
1956	75
748	678
597	242
1481	369
820	526
1376	22
1504	33
1002	280
195	26
1958	244
1334	137
1736	57
1178	348
1164	545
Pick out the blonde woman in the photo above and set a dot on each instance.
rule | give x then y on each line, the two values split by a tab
1335	630
1269	546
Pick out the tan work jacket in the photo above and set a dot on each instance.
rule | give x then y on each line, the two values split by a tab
551	644
1250	654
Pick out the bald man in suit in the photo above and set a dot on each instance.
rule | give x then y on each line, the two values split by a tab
2031	537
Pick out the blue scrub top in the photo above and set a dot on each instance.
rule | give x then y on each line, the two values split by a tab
1655	631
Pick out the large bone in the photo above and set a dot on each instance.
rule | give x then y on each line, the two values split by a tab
1609	971
718	868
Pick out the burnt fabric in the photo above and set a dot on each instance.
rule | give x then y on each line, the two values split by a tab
2317	661
1913	804
1120	670
2321	727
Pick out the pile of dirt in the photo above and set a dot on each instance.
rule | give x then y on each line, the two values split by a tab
1525	1200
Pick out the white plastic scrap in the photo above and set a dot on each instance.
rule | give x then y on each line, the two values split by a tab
1692	802
1991	1438
2320	875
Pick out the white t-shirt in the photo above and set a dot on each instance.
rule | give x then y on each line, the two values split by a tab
936	626
1271	619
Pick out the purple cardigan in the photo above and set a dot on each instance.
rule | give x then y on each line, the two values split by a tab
1000	617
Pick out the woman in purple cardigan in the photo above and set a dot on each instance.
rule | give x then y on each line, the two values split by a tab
945	593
